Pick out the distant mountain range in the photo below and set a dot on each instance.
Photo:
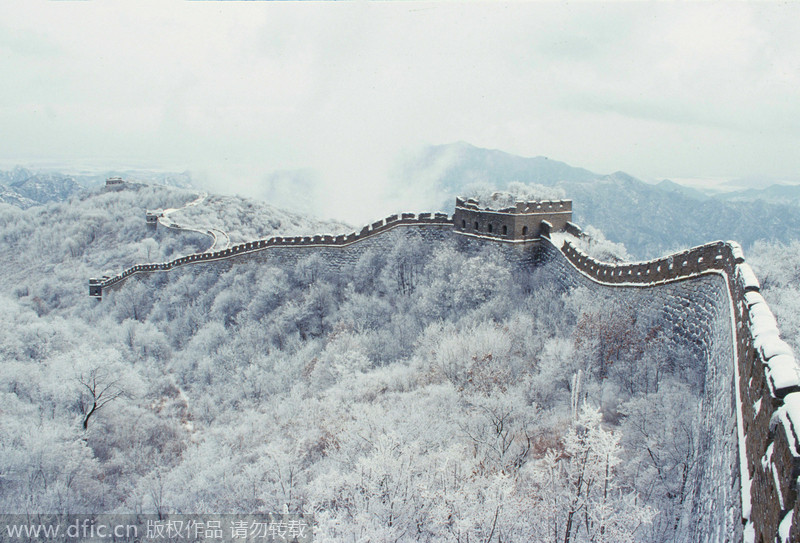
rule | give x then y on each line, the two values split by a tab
672	187
649	219
468	164
774	194
25	188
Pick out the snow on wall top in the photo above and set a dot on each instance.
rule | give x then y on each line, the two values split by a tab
767	372
769	377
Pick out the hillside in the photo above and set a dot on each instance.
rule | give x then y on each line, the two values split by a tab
99	231
23	187
774	194
649	220
424	390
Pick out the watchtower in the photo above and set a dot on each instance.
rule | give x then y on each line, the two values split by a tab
95	288
151	218
524	221
114	181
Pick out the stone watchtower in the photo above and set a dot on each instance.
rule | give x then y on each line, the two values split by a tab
521	222
151	218
95	288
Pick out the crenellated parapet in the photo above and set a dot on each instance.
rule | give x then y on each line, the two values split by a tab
767	378
712	256
524	221
96	286
764	382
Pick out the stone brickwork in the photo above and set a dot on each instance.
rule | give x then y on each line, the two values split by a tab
521	222
695	314
706	298
277	245
762	372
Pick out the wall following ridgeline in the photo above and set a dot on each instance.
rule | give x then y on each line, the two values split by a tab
745	488
728	319
275	244
695	315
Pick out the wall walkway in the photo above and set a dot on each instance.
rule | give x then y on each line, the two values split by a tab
746	486
710	295
97	286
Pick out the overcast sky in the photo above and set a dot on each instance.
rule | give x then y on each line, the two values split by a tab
237	90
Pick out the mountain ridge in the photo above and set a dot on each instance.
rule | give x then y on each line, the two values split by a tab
23	187
648	219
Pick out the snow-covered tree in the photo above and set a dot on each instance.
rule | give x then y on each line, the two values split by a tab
579	492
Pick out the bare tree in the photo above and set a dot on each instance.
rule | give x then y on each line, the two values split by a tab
97	389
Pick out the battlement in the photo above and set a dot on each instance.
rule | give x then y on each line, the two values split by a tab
525	221
96	286
766	375
709	298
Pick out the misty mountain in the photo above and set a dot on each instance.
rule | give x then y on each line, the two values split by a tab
651	222
671	187
16	175
758	182
24	188
282	189
649	219
42	188
461	164
12	197
774	194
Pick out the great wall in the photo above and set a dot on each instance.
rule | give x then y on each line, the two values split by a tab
746	487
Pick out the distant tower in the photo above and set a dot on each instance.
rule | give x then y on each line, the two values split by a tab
95	288
114	182
523	222
151	218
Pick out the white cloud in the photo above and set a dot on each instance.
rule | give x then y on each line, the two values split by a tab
241	89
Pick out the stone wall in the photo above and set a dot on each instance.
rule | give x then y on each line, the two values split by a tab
707	297
752	379
521	222
151	218
695	313
277	245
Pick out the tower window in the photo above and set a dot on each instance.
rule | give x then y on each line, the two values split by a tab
524	231
463	224
476	225
490	227
505	230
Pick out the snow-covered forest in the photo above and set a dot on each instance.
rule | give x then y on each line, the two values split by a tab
423	395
